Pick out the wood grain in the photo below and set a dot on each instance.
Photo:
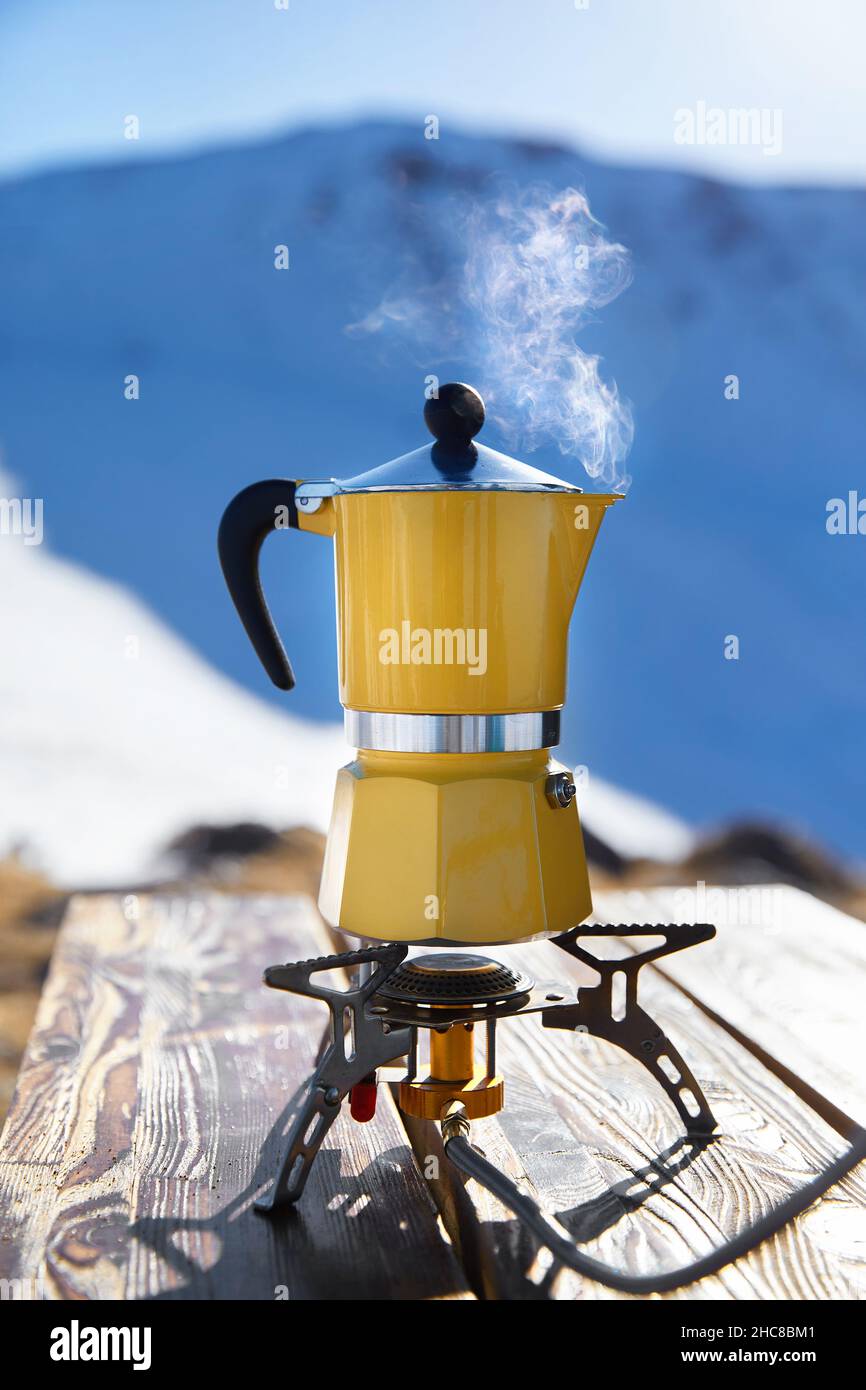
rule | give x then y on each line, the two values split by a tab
133	1148
137	1138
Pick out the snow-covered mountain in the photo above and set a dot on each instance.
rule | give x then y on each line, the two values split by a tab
166	271
115	735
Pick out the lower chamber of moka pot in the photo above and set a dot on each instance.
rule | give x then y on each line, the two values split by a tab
452	849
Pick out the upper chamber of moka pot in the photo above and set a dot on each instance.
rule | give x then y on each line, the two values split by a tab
457	568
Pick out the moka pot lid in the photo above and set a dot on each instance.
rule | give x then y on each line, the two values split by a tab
452	462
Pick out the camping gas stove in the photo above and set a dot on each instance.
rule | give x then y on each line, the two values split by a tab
451	998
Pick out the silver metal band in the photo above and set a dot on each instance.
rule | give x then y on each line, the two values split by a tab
451	733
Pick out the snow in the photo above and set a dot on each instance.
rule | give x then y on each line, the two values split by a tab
116	736
633	826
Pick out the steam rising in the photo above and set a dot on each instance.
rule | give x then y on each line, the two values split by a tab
534	267
537	271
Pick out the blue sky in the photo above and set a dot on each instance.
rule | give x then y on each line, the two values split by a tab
608	77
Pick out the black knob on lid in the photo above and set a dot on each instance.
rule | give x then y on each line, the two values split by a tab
455	416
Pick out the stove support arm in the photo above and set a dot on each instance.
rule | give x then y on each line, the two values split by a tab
358	1044
622	1021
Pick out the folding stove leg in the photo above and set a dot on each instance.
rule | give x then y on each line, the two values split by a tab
633	1030
350	1055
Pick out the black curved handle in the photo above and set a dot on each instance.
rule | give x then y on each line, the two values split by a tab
248	519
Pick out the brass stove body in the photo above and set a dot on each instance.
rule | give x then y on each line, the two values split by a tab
443	983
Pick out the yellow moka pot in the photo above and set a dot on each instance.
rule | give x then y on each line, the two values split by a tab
456	569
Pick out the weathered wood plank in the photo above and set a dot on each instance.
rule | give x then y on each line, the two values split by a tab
74	1108
156	1068
785	969
599	1145
132	1154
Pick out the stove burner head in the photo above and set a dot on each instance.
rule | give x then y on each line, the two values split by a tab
450	977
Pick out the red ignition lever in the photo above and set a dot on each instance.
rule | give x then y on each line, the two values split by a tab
362	1099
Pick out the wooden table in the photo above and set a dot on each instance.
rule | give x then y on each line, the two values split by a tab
136	1141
